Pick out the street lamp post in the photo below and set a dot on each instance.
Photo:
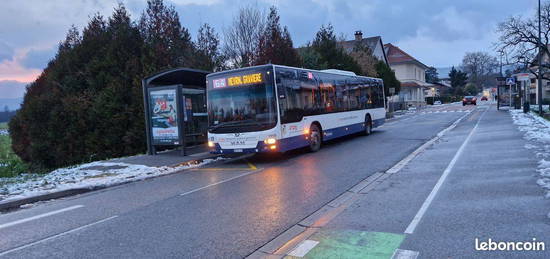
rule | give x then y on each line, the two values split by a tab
539	77
526	91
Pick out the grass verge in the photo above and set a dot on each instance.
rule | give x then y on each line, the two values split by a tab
10	164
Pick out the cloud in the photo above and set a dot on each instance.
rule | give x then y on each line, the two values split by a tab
443	38
32	29
436	32
13	69
195	2
6	52
38	58
423	48
10	89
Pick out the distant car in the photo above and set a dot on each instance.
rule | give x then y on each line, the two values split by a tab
484	98
469	100
437	103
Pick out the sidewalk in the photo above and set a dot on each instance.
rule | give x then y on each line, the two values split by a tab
169	157
30	188
490	192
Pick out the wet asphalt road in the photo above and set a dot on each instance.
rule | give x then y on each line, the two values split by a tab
224	210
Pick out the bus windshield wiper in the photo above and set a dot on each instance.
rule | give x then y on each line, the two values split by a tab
236	124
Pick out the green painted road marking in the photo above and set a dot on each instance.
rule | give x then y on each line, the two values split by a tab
354	244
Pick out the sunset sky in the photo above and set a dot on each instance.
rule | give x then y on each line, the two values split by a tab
438	33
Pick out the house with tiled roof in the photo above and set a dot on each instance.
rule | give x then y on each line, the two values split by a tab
373	43
410	72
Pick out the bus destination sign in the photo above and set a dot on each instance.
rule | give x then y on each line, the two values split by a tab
245	79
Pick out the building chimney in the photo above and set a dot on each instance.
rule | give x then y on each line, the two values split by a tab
358	35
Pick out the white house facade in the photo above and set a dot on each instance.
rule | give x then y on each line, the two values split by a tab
411	73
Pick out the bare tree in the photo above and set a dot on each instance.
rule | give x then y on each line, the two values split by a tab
362	54
480	67
241	39
518	40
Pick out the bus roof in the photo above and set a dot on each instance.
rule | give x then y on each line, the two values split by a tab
326	71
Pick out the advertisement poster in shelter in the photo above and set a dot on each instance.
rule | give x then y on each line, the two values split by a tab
164	117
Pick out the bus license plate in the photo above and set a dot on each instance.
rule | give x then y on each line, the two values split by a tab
237	150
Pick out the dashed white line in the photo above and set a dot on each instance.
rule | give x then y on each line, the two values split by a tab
412	226
55	236
220	182
404	254
303	248
13	223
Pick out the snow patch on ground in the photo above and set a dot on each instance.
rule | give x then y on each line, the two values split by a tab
4	132
537	132
86	176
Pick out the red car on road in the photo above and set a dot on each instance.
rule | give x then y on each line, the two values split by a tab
484	98
469	100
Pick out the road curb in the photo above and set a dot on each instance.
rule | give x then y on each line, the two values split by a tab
16	204
316	220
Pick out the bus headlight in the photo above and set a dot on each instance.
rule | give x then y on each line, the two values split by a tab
211	144
270	141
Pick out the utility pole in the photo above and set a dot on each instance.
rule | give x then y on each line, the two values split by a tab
501	63
539	79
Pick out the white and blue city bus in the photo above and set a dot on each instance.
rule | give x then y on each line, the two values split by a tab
272	108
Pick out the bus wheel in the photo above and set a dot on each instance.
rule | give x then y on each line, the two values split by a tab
368	126
314	138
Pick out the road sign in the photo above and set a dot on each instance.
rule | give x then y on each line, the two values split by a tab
523	76
510	81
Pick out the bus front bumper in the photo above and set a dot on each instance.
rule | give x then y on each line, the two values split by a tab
260	148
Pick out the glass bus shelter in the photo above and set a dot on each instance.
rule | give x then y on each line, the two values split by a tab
175	108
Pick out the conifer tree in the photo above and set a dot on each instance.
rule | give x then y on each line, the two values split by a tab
208	52
168	42
387	75
334	56
275	44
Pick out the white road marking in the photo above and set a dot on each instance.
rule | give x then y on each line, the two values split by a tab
404	254
433	193
220	182
13	223
303	248
56	236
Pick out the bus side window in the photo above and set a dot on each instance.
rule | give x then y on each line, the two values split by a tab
354	94
381	95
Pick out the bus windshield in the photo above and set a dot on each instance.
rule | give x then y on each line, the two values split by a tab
241	102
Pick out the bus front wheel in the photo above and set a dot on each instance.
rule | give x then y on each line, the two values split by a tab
368	126
314	138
